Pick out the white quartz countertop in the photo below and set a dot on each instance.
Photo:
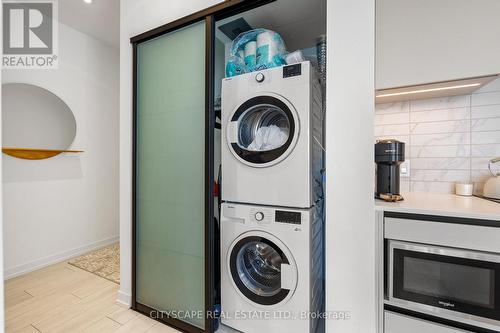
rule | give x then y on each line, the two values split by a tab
443	205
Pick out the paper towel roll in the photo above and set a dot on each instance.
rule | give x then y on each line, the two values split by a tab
267	47
250	54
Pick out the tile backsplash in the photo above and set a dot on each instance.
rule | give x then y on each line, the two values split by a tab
448	140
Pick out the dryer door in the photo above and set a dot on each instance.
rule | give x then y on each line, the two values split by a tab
263	130
263	271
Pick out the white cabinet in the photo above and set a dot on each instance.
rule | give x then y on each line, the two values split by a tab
436	40
397	323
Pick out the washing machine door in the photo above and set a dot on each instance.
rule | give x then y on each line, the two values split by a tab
262	269
263	130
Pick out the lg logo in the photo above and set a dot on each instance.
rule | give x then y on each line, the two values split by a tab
28	28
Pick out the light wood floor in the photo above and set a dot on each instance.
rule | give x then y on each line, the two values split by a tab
66	299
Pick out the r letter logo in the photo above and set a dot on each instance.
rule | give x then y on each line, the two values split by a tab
29	34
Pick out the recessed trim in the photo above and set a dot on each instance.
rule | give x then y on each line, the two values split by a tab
421	91
431	90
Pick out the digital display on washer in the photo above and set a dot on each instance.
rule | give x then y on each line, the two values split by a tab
292	70
287	217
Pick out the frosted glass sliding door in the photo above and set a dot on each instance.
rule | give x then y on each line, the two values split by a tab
170	190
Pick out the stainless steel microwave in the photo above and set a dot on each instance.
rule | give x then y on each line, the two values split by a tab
448	283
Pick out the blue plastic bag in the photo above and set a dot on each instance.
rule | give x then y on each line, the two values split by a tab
271	52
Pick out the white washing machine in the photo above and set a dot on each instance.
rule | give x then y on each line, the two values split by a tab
272	268
272	134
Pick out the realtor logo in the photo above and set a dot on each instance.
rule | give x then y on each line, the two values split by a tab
29	34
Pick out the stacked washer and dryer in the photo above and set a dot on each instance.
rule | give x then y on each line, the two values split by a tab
272	213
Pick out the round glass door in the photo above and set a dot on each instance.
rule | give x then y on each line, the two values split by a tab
265	130
256	269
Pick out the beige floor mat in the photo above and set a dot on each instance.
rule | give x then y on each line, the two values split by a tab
104	262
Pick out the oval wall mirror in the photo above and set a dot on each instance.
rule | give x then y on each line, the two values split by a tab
36	123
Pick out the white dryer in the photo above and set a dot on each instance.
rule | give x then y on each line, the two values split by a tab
272	268
272	123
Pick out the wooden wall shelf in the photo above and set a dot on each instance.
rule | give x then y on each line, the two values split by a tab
34	153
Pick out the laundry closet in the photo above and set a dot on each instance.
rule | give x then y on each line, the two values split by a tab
228	188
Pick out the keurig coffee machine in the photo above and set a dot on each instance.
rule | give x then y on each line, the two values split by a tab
389	154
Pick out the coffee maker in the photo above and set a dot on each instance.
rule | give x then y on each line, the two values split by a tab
389	154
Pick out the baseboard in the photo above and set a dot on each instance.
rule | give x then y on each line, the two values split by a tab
124	299
12	272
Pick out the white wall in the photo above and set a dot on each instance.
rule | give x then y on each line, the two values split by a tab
59	207
137	16
350	217
448	140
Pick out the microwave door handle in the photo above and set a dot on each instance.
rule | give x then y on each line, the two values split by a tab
390	266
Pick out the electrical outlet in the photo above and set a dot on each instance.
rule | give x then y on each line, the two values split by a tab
404	170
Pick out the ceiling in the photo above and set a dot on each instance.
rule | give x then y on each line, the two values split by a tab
100	19
299	22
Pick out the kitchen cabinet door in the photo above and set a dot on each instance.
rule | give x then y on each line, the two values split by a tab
428	41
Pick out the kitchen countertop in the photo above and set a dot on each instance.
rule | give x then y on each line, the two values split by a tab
443	205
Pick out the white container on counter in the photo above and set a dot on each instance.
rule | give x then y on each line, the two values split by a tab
464	189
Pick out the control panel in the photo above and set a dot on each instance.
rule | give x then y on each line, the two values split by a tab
259	77
260	215
292	70
282	216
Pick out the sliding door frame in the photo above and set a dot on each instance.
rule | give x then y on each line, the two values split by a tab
209	15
